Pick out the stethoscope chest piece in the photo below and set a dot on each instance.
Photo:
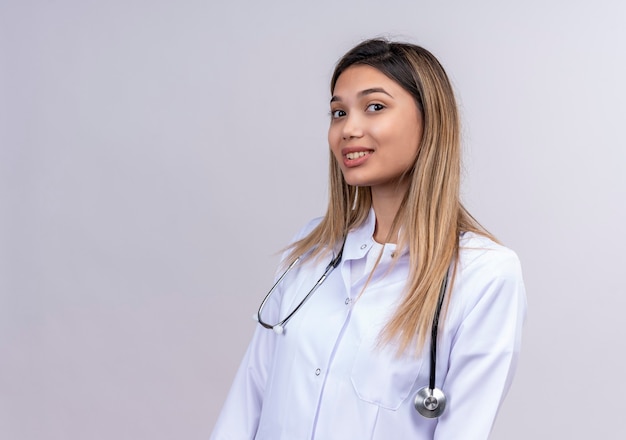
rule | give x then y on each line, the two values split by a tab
430	403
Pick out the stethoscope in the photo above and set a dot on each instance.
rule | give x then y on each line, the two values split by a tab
430	401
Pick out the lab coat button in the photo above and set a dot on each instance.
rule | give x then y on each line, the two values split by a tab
348	301
317	372
363	246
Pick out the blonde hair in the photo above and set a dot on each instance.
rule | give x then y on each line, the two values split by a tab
431	217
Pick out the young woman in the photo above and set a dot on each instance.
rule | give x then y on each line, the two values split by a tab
406	267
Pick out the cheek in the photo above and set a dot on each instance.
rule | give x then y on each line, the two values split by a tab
333	139
411	136
388	132
414	139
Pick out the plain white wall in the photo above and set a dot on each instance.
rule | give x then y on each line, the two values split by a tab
154	157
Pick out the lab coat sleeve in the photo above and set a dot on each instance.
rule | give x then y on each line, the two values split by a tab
240	414
241	411
484	353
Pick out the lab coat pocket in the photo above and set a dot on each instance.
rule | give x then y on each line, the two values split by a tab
382	378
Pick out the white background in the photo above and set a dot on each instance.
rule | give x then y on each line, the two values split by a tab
155	156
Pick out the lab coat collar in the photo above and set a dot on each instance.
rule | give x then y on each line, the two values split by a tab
361	239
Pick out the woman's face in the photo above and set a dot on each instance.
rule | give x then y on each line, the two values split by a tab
375	127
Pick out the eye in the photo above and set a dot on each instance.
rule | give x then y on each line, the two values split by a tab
337	114
375	107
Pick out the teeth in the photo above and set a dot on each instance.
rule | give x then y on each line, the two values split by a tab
356	155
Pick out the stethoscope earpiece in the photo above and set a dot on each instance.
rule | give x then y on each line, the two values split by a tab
278	329
430	403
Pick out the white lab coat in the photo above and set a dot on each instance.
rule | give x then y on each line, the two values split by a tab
325	378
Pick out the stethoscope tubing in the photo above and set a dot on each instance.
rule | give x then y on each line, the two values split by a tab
434	331
279	327
429	402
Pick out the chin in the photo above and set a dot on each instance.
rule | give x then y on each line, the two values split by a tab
354	179
357	182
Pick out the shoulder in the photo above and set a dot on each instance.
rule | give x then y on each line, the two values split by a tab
301	234
488	281
307	229
481	255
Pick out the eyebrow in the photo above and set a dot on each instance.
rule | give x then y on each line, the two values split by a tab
364	93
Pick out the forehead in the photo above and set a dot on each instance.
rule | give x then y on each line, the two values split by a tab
360	77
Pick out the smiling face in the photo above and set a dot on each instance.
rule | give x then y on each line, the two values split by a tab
375	128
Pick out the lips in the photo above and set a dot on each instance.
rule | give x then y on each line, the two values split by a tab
355	156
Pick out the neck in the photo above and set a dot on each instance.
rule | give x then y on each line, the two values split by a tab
386	201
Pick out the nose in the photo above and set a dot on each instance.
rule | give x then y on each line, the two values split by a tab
352	127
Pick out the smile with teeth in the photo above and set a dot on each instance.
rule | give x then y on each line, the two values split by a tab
357	154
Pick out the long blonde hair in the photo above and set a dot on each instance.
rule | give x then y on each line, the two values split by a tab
431	216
